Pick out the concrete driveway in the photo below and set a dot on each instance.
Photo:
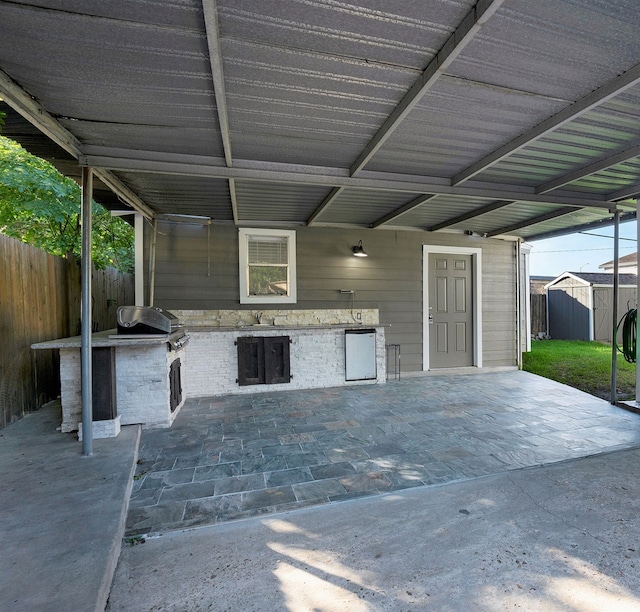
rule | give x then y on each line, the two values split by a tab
562	537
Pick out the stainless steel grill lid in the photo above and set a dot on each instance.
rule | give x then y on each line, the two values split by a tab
145	320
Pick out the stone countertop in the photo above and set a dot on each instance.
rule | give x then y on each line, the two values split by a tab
106	338
268	327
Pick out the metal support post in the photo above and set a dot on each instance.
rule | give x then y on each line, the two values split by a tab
616	284
152	262
139	259
85	319
637	318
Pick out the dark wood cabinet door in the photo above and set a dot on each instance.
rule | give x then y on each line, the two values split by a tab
276	360
263	360
250	361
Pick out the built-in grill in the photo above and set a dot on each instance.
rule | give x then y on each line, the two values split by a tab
151	321
145	320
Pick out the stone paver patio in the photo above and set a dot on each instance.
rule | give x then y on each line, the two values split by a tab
234	457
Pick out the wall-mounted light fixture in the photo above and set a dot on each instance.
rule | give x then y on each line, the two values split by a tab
358	250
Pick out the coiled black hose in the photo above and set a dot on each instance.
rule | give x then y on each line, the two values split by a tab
628	323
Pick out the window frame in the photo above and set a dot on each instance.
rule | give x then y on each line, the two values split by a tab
243	251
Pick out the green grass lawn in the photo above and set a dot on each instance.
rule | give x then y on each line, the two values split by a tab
583	365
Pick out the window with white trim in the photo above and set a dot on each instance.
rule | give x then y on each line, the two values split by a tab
267	266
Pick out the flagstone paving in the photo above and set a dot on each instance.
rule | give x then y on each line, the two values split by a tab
234	457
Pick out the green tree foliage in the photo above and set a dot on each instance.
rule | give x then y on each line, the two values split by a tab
41	207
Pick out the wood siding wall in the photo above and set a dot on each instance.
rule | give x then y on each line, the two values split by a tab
197	268
40	300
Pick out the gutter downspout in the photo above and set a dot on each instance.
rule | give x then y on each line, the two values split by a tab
86	377
616	286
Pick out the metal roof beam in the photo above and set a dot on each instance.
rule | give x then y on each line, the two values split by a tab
123	192
624	193
332	197
598	166
334	178
470	215
581	228
37	115
611	89
534	221
419	201
455	44
210	10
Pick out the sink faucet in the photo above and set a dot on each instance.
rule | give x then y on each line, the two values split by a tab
259	316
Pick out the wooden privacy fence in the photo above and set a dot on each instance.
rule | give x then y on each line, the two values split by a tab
538	313
40	300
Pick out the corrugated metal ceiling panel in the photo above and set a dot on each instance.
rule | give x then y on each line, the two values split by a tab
457	122
607	130
309	82
115	73
261	201
363	206
607	181
397	32
439	210
184	195
193	140
576	219
560	48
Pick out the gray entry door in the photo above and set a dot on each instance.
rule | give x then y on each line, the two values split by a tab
450	311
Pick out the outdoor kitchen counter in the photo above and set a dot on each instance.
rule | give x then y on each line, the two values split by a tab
148	372
268	327
313	356
104	339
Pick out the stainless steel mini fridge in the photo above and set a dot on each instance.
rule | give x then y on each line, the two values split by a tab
360	354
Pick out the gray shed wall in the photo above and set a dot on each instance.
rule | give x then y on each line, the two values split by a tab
197	270
603	309
569	304
569	309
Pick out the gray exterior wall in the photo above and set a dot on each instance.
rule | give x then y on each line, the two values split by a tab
196	269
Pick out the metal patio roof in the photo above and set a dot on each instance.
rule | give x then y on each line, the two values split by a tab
498	117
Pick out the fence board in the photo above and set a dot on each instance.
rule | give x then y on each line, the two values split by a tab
40	300
538	313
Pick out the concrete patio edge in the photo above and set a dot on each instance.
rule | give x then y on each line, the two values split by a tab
62	515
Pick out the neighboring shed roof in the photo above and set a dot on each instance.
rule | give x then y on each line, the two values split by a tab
597	278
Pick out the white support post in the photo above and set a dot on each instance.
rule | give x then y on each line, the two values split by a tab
139	259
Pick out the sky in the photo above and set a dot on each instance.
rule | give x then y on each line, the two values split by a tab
582	252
